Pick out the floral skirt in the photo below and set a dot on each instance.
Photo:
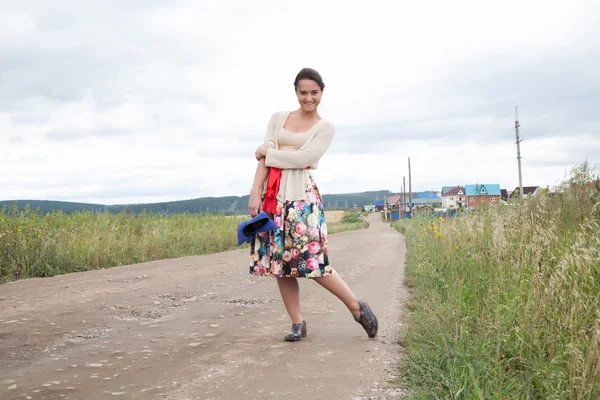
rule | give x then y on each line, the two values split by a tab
298	247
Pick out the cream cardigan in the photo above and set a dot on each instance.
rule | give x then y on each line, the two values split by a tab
294	163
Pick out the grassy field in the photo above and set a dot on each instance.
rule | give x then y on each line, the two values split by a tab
37	245
505	303
341	221
334	217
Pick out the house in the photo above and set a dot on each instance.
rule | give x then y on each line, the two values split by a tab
504	194
446	188
394	202
389	201
394	206
528	192
454	198
369	207
480	195
378	205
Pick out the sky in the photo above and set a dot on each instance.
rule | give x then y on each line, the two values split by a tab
116	102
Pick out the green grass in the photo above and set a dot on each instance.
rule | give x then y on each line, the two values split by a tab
505	303
345	226
350	221
33	244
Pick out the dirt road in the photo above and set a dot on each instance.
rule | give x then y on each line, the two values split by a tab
202	328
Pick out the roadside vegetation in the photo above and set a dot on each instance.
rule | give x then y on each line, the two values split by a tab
349	221
36	244
505	302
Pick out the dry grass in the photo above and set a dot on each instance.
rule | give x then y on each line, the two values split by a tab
334	217
37	245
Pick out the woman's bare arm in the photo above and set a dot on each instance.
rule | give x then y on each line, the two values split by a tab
259	178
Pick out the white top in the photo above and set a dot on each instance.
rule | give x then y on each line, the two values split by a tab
292	141
294	152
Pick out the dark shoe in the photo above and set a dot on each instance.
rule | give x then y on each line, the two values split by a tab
298	332
367	318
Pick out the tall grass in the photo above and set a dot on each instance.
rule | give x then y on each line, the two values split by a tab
506	301
36	245
33	244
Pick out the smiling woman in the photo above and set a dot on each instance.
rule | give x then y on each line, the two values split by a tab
307	84
298	247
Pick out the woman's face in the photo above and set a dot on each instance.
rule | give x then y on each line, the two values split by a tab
309	95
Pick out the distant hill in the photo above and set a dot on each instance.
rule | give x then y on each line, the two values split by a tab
352	200
229	205
50	205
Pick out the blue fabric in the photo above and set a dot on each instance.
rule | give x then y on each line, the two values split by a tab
260	223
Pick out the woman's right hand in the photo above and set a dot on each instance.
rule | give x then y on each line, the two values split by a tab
261	152
254	203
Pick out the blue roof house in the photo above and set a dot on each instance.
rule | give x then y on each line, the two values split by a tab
481	194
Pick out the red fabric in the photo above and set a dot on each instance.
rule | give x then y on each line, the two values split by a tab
273	183
270	203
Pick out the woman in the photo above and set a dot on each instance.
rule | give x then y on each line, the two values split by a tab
294	143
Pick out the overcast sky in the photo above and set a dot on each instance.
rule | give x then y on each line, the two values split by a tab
143	101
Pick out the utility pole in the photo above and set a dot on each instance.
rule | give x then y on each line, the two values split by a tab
409	182
517	125
385	208
403	197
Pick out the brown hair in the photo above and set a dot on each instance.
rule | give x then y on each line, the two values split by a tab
309	73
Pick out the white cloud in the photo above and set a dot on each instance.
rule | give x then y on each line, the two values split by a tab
151	101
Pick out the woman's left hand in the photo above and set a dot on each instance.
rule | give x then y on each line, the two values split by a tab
261	152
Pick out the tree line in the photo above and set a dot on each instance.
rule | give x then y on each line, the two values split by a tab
227	205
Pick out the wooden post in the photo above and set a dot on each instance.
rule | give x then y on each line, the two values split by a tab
410	199
403	197
409	182
385	209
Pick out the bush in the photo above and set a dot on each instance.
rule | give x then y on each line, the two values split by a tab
351	218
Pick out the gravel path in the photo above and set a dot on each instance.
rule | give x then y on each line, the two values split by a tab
202	328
